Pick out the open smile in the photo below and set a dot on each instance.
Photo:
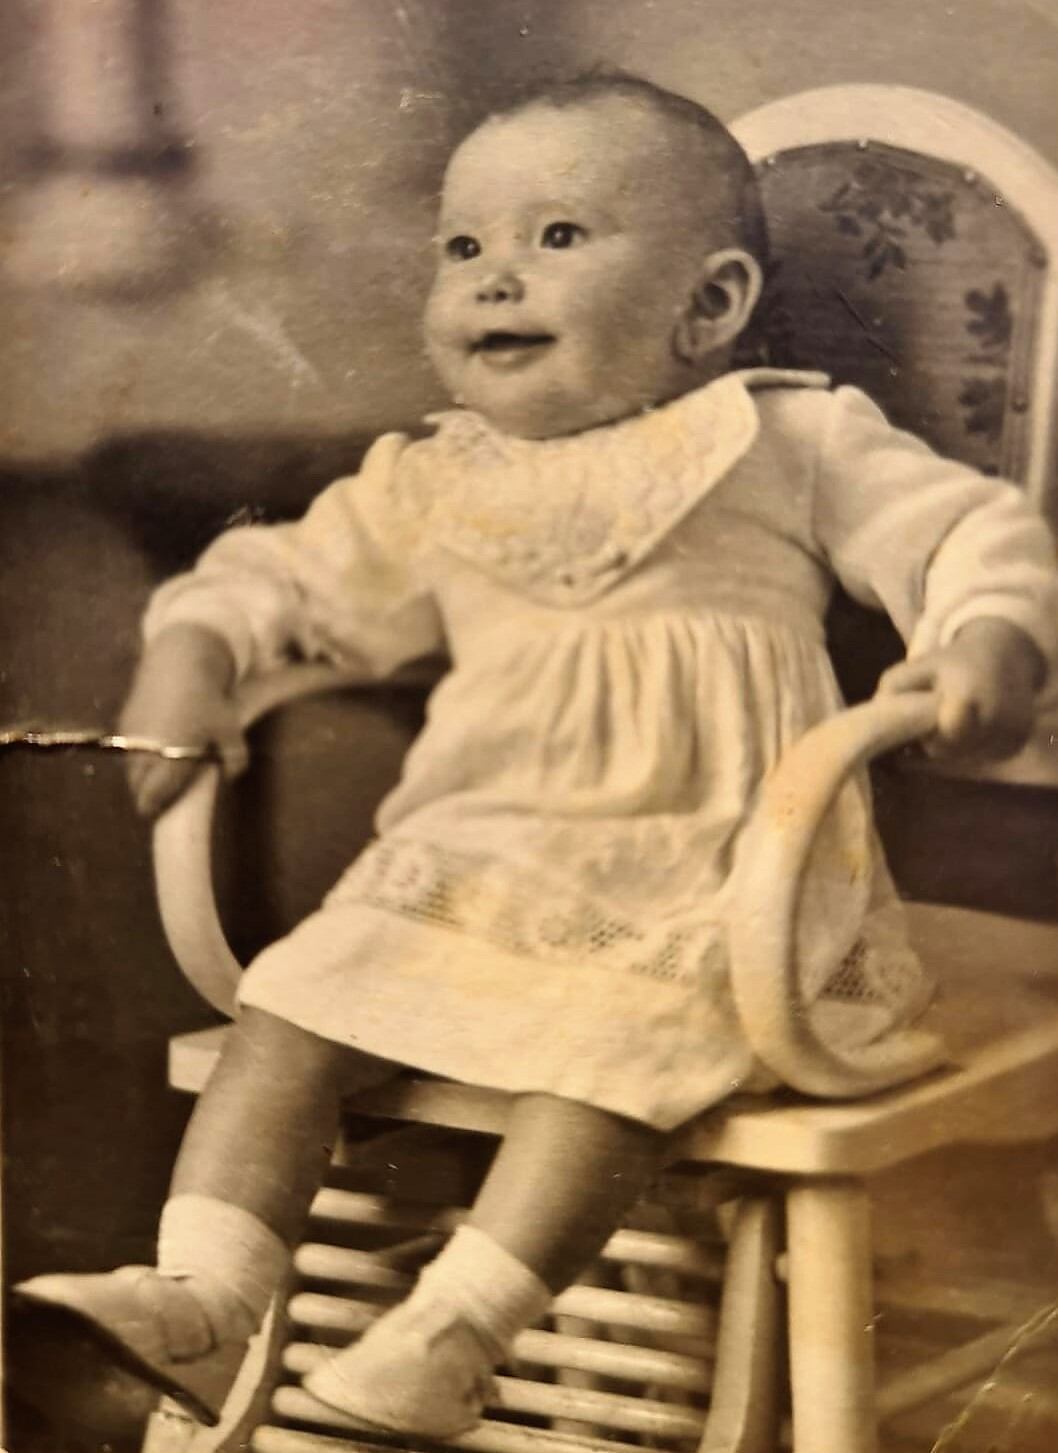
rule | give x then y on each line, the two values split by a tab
501	349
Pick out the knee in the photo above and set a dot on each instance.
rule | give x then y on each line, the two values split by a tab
572	1121
274	1047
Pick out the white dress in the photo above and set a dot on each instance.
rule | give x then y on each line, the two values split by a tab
634	621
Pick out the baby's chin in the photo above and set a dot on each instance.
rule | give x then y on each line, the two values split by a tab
558	417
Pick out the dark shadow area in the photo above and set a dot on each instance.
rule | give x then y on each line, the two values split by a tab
90	995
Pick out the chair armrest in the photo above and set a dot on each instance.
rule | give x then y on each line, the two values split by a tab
771	863
183	870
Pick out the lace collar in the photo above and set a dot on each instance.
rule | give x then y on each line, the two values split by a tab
562	520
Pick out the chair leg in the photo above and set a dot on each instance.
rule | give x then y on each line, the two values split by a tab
744	1407
831	1317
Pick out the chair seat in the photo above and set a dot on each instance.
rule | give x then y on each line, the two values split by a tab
997	1010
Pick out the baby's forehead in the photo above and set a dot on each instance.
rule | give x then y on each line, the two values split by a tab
607	146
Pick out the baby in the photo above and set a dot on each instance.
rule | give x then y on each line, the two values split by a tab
627	549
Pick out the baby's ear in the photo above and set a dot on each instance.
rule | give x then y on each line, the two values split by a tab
720	306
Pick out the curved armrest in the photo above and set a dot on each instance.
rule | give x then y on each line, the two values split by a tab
771	863
183	835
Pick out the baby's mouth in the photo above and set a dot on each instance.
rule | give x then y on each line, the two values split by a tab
502	349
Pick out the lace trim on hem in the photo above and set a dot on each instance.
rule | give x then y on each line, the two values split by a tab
533	919
538	920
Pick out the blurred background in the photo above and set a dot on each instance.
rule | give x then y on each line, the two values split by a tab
251	185
215	225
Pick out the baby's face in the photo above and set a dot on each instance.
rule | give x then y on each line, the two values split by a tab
569	250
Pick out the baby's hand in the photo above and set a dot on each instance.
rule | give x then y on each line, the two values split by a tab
986	681
180	697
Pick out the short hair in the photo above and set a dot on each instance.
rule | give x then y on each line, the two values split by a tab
714	153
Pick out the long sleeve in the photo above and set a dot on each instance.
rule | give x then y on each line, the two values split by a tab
340	584
930	541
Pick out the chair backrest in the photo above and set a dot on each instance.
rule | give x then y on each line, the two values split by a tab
915	253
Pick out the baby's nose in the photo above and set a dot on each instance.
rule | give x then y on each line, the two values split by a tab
501	287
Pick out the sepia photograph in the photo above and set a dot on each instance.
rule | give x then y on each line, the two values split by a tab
529	726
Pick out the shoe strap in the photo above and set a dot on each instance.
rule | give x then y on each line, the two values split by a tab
175	1311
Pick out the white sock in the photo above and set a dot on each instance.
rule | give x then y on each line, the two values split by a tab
231	1260
496	1293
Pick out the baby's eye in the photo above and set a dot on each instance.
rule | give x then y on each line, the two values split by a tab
462	248
562	234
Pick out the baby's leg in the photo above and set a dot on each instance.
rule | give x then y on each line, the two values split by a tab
255	1151
557	1189
261	1134
253	1156
561	1182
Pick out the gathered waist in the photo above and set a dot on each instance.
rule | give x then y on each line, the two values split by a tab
783	618
646	715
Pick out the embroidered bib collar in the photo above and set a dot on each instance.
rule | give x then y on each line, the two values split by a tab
562	520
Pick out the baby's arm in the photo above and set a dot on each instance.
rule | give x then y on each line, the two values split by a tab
341	584
181	696
963	564
986	681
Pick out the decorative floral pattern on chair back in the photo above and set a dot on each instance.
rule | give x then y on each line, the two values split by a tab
913	279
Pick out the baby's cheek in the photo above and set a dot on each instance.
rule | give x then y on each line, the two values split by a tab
598	312
440	313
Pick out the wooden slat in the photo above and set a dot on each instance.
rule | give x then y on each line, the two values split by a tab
606	1410
659	1315
269	1439
337	1318
640	1248
648	1365
318	1260
487	1437
599	1409
338	1263
359	1208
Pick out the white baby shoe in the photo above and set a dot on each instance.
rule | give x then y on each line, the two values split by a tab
422	1368
149	1324
426	1366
